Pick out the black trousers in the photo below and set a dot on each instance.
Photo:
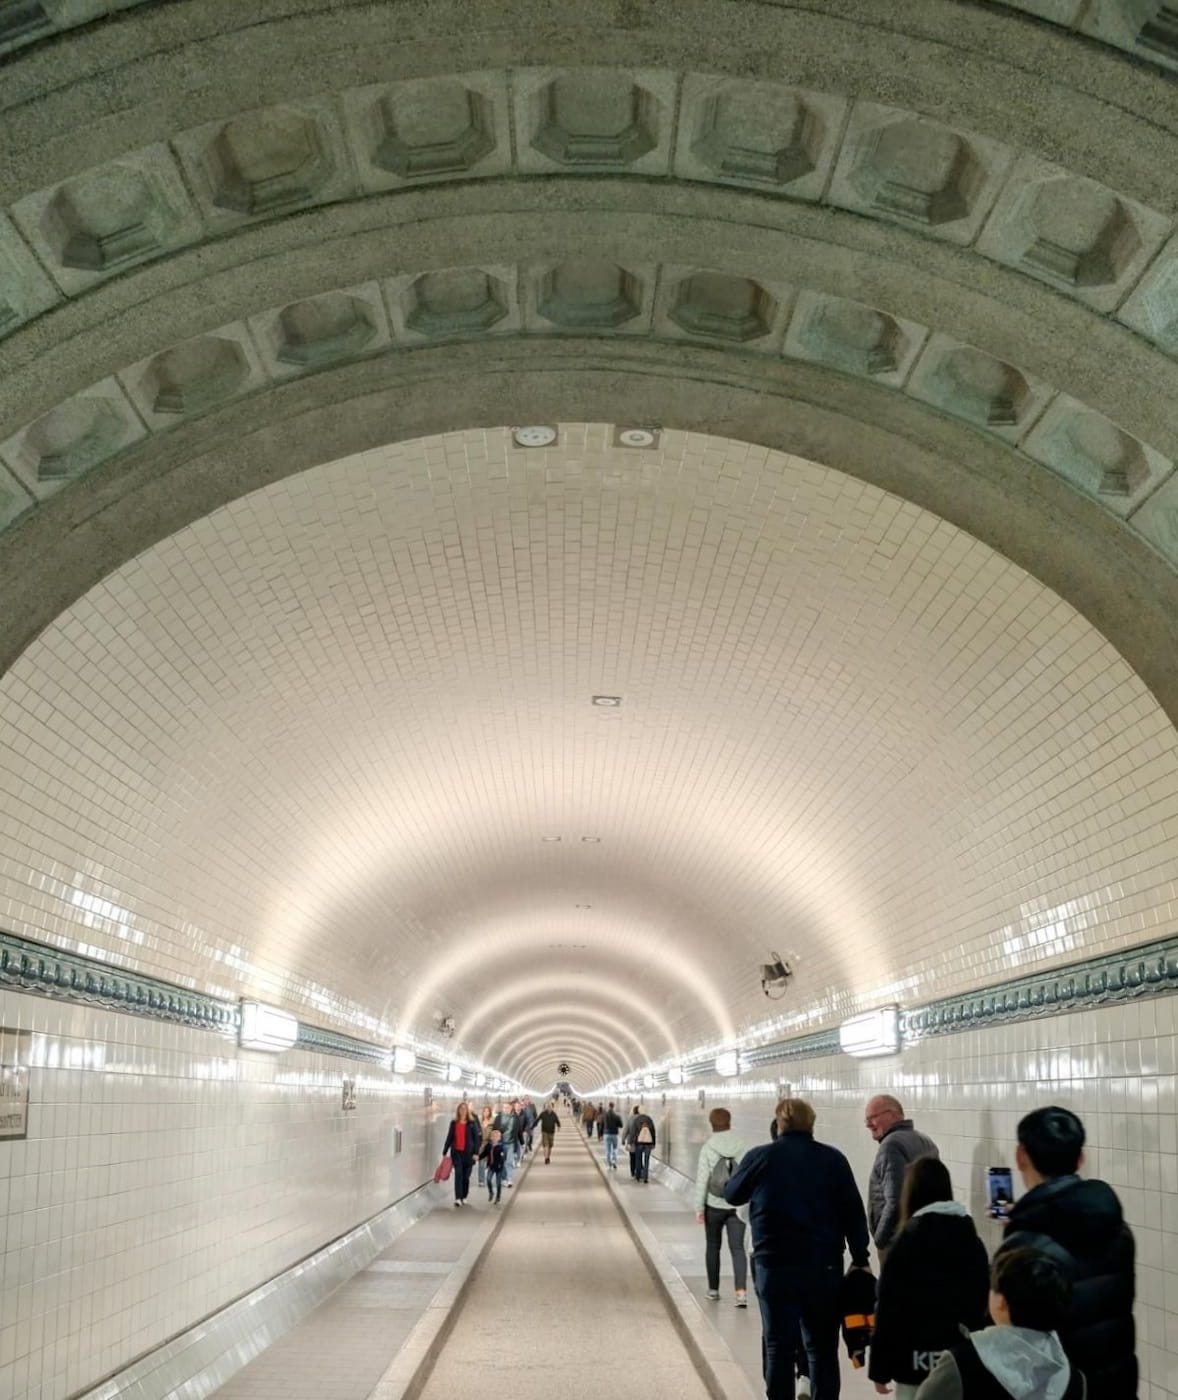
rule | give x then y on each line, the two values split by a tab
461	1174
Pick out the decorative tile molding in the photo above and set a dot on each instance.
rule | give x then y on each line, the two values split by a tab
26	966
1147	971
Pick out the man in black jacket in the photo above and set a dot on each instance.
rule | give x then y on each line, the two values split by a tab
1079	1224
804	1209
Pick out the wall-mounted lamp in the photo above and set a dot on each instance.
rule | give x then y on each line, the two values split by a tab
480	1080
728	1063
404	1061
453	1073
873	1033
675	1074
648	1081
266	1028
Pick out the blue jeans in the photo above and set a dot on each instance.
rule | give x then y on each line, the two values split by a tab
642	1160
611	1149
799	1307
509	1160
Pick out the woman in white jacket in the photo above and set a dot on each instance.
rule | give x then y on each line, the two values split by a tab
718	1159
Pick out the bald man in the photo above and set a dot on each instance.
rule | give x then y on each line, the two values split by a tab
899	1144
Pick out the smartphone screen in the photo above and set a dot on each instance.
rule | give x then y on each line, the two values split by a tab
1001	1193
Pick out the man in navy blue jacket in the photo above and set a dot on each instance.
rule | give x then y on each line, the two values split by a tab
804	1210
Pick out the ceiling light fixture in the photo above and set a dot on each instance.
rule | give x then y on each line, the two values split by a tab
607	702
592	840
549	838
538	435
873	1033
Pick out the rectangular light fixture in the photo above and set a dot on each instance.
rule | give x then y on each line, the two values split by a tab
873	1033
266	1028
728	1064
675	1074
453	1073
404	1061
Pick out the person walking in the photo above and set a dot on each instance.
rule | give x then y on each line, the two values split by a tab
628	1140
549	1123
933	1285
899	1144
494	1154
718	1159
462	1143
1080	1225
486	1119
588	1116
1020	1357
507	1121
804	1212
645	1139
599	1122
611	1127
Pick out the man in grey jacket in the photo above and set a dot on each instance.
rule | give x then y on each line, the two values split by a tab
899	1144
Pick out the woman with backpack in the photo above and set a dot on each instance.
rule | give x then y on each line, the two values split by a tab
643	1137
934	1282
718	1159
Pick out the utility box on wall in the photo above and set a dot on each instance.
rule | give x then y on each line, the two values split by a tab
14	1084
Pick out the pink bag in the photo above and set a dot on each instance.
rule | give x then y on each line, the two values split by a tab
445	1167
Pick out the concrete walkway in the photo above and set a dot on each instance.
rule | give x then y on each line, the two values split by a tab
564	1284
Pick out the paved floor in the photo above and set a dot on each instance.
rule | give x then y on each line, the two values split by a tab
562	1275
563	1279
341	1350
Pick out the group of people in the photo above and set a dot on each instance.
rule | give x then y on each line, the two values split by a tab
493	1143
636	1134
1049	1318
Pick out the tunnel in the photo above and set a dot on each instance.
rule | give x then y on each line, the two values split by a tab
624	549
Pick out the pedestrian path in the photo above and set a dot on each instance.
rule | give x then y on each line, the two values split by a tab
663	1218
342	1349
564	1280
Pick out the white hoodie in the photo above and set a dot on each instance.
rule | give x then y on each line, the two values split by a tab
1025	1362
725	1144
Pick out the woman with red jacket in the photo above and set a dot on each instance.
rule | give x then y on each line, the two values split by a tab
462	1143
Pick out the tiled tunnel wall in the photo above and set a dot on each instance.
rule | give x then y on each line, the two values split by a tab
166	1172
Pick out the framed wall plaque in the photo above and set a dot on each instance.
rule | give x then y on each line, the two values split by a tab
14	1084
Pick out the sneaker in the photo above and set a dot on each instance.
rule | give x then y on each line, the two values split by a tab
457	1204
713	1294
803	1388
510	1184
742	1298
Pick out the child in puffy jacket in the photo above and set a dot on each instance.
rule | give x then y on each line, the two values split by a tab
494	1157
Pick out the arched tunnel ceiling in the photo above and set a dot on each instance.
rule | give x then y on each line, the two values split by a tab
312	747
928	244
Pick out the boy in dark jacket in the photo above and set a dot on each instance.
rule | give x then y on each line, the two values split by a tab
494	1155
1079	1224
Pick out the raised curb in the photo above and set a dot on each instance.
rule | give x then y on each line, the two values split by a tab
721	1373
410	1369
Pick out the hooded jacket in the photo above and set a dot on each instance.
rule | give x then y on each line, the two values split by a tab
900	1145
935	1280
1080	1225
1020	1362
804	1206
725	1144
